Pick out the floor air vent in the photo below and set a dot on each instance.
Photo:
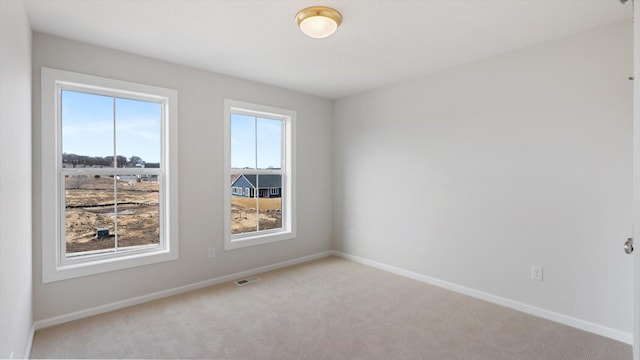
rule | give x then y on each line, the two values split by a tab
247	281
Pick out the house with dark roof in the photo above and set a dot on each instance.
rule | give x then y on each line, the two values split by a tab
267	186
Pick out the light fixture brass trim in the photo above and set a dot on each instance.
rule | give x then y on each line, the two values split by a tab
318	22
325	11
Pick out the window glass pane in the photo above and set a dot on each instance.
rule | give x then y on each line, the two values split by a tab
243	142
89	207
138	132
243	204
87	129
256	202
269	143
138	210
269	201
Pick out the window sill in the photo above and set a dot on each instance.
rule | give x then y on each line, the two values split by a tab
97	266
261	239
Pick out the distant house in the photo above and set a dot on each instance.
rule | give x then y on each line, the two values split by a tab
152	177
268	186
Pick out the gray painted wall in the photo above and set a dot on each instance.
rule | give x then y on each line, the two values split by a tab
518	160
15	181
201	97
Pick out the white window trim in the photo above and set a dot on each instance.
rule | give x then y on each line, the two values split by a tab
54	266
288	197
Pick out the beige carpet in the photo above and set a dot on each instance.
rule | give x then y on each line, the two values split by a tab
327	309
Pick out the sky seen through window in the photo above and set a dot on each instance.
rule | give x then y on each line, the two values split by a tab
256	143
89	127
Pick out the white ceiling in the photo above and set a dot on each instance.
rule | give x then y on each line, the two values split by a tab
379	41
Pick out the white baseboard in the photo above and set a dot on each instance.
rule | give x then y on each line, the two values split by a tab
27	352
614	334
41	324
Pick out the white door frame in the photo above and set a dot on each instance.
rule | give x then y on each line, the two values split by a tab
636	183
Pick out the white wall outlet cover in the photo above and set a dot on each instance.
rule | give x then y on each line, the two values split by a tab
537	273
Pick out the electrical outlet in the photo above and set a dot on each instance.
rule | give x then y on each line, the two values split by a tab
536	273
212	252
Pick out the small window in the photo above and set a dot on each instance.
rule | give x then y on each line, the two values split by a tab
259	150
108	176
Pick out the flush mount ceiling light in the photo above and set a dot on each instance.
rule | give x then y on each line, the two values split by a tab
318	22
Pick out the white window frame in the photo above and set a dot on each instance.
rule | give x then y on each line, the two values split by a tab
288	194
55	264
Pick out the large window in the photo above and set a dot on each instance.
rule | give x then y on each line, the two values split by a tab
109	177
259	176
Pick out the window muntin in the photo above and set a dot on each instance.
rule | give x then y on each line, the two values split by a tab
102	210
259	161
